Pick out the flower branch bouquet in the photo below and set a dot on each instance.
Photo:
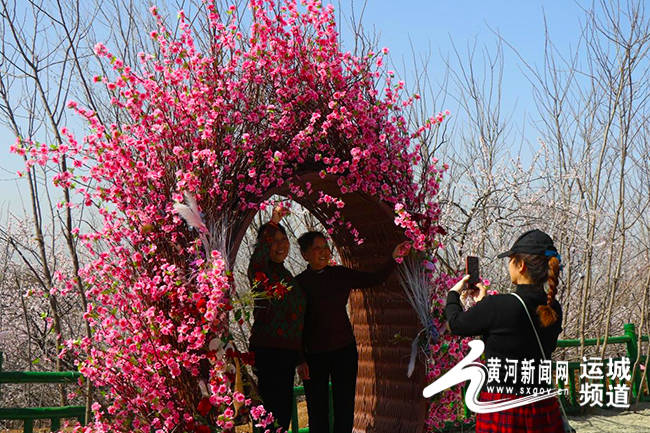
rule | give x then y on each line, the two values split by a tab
415	275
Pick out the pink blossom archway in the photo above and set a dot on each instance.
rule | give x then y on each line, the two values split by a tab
205	136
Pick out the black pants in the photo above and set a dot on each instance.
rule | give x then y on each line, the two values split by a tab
342	366
275	370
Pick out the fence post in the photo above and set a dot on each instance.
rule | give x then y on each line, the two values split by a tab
572	387
632	353
294	413
629	331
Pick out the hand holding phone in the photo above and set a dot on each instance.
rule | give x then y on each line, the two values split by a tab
471	268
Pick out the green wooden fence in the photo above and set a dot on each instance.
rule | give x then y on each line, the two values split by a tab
29	414
299	391
55	414
640	386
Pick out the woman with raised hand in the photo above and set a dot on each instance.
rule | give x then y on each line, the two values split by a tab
330	346
277	332
513	332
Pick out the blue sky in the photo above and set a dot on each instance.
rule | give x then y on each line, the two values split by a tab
434	27
430	27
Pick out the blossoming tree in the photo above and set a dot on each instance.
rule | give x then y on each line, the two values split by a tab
208	135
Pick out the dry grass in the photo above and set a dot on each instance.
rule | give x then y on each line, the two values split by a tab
36	430
303	420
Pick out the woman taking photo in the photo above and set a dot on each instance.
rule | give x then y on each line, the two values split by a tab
276	336
330	347
508	333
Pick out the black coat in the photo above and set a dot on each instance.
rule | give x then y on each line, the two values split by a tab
504	325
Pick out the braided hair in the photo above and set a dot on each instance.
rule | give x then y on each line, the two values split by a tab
542	269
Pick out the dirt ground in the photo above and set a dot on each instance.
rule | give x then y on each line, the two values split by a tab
598	421
608	421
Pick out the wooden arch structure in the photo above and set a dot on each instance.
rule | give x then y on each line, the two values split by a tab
387	401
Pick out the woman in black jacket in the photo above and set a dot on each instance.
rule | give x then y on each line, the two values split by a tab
509	336
276	337
330	347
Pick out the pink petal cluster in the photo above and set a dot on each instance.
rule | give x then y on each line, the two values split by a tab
446	407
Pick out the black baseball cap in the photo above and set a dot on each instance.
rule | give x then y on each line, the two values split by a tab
532	242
